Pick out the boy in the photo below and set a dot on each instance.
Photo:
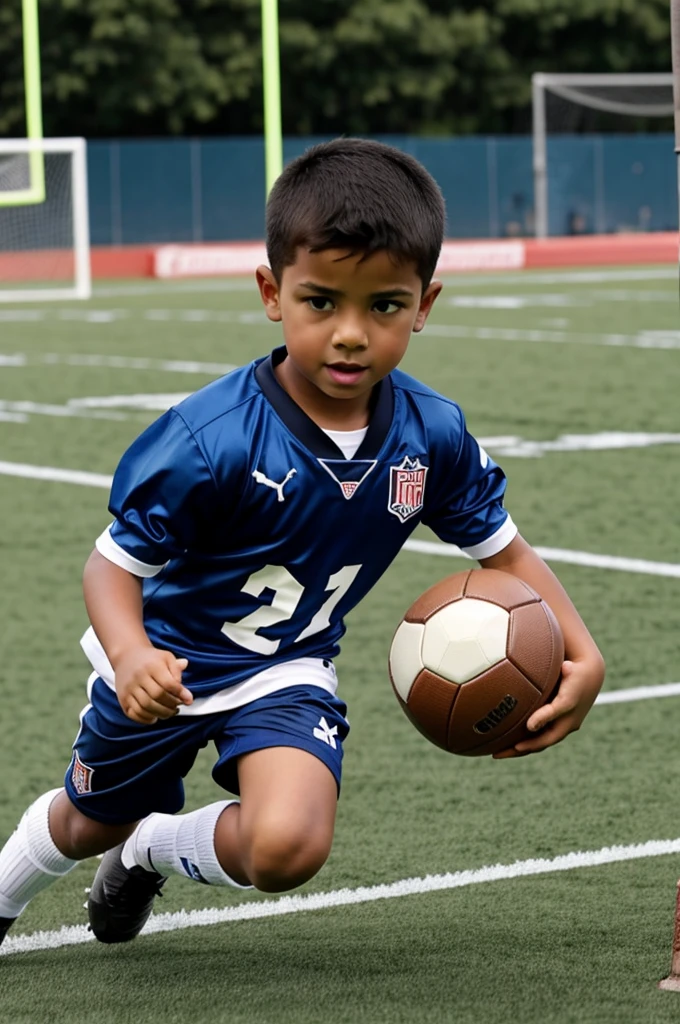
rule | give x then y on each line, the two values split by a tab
247	522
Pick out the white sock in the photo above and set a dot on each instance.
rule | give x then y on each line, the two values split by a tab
182	844
29	860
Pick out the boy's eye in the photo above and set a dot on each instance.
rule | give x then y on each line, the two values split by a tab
386	306
320	303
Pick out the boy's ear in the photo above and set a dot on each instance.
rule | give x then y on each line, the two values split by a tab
269	291
426	304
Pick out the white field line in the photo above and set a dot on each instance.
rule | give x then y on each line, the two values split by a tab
423	547
637	565
87	315
230	284
515	300
509	446
21	359
21	411
511	278
634	693
528	278
78	934
644	339
62	476
139	363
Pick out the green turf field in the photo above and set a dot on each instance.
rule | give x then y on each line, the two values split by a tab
572	380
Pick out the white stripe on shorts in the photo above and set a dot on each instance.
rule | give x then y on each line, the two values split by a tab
300	672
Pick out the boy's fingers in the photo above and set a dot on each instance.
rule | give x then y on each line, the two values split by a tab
136	712
169	678
155	708
560	706
160	695
555	733
174	679
186	696
503	755
541	718
175	665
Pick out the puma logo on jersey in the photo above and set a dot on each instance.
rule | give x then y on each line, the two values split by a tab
262	479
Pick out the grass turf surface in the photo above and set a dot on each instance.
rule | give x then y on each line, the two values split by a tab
585	946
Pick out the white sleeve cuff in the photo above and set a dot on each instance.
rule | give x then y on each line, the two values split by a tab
495	543
106	546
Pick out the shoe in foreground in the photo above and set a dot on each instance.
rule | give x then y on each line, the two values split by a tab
5	925
121	898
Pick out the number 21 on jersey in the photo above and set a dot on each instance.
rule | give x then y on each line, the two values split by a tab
287	595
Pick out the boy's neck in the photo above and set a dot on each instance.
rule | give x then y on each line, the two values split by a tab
327	413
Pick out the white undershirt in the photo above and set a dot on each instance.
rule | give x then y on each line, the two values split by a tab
348	441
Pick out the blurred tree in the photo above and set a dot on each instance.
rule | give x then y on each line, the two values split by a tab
161	67
111	67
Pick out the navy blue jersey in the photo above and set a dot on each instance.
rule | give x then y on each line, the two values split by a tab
255	535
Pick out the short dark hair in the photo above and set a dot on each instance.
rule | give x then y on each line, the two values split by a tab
356	194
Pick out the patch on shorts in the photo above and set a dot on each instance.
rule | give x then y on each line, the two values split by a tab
81	775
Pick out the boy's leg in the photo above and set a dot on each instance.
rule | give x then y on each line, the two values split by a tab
281	834
283	754
127	770
48	842
276	838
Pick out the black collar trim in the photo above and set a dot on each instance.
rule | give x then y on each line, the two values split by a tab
307	431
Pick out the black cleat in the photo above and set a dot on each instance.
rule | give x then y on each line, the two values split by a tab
121	899
5	925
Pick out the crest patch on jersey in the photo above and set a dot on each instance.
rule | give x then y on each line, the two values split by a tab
407	488
348	474
81	775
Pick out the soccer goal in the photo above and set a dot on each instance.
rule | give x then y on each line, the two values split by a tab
579	103
44	228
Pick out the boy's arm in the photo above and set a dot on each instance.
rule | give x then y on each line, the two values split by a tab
148	680
584	668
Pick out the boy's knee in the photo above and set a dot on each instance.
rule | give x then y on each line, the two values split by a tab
79	837
281	858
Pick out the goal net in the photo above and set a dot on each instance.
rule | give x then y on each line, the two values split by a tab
44	232
579	126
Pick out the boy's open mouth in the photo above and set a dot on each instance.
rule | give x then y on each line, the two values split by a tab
346	373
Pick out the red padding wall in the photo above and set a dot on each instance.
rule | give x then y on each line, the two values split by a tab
602	250
242	258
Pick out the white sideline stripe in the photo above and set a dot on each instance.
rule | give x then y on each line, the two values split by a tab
423	547
23	359
640	565
64	476
512	278
531	277
137	363
639	693
78	934
664	340
226	284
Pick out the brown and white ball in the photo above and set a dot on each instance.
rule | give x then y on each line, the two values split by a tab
473	658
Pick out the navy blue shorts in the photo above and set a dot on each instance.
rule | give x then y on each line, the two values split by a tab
122	771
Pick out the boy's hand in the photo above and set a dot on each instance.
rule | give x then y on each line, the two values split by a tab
149	684
579	686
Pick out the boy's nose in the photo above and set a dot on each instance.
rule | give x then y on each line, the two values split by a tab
350	335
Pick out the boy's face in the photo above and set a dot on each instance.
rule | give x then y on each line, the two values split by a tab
346	323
